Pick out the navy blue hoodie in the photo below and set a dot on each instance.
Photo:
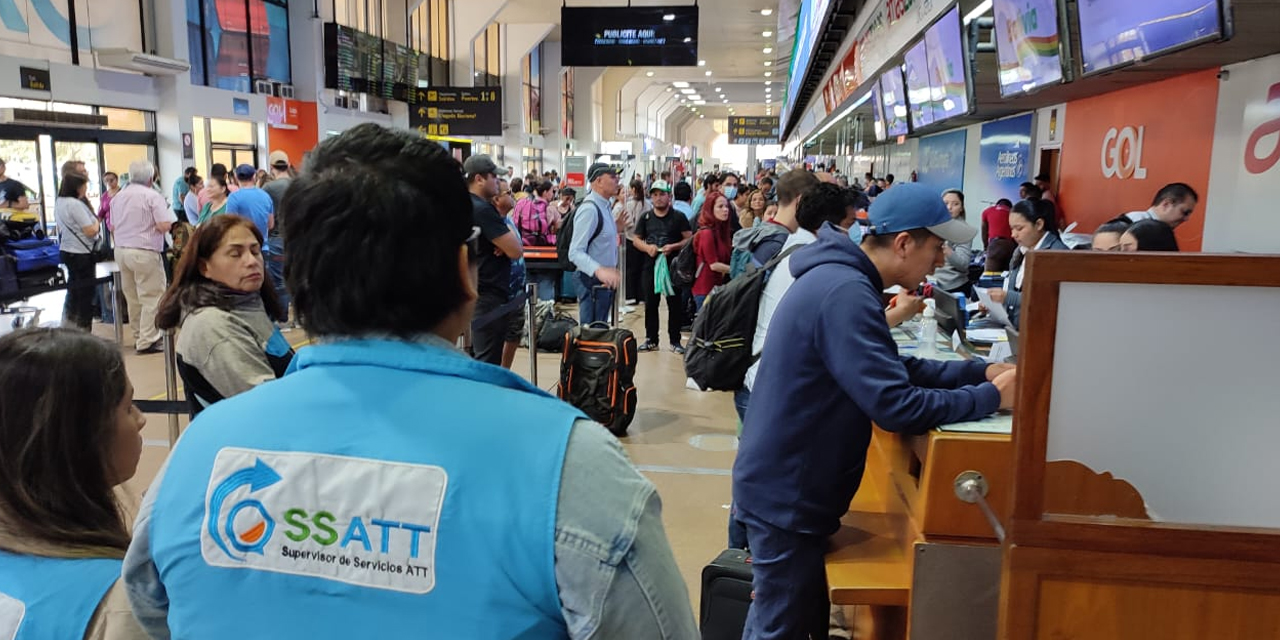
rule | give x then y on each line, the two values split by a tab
829	368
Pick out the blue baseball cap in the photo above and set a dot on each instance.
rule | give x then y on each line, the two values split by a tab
908	206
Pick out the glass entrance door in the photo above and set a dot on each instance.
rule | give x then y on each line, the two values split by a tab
234	156
22	163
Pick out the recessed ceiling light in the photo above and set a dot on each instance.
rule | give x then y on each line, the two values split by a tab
768	82
699	102
719	90
768	63
679	85
701	116
669	17
688	40
767	34
766	12
695	97
669	89
768	89
708	73
768	49
649	73
702	63
768	73
688	91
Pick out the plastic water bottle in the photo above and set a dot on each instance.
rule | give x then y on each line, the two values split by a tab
929	331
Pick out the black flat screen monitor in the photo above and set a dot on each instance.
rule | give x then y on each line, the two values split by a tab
1028	45
893	95
1117	33
629	36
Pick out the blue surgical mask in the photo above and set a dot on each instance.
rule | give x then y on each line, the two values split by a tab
855	233
731	192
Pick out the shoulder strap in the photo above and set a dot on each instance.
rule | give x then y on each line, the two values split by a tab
599	221
769	266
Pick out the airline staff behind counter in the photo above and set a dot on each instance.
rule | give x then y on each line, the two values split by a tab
389	485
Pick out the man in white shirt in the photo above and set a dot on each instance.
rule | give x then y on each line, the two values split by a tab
1173	204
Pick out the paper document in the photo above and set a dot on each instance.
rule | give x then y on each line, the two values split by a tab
995	311
988	336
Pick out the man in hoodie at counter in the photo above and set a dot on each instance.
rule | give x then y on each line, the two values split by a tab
830	368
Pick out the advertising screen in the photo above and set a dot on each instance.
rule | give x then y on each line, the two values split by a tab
808	26
1027	45
1113	34
877	108
948	67
629	36
894	98
919	93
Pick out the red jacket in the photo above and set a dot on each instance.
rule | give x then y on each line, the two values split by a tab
711	245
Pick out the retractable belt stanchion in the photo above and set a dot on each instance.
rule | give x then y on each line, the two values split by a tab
115	306
531	313
622	278
171	382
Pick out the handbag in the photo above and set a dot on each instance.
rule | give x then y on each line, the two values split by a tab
100	249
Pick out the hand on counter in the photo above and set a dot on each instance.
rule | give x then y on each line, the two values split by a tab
1006	383
994	370
904	307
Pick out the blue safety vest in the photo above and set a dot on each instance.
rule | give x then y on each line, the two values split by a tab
381	489
51	598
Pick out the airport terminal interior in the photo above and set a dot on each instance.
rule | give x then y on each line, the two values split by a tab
1116	164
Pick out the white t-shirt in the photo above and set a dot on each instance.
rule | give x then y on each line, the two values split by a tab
1135	216
774	289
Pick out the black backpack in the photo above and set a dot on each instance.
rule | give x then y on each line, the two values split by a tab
597	373
684	268
564	237
719	353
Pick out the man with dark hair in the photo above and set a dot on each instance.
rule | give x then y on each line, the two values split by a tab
499	245
13	194
179	190
682	194
660	230
710	184
1028	191
251	202
1173	205
888	180
766	185
830	368
281	178
398	476
770	236
1042	183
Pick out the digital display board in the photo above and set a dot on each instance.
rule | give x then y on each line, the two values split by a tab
358	62
877	108
457	111
1028	45
949	82
1113	34
893	96
753	130
808	26
919	89
629	36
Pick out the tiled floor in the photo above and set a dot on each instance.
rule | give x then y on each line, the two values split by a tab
682	440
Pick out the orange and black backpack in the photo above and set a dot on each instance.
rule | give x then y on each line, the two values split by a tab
597	374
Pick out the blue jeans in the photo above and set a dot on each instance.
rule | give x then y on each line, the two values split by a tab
594	304
738	531
546	283
790	582
275	270
697	302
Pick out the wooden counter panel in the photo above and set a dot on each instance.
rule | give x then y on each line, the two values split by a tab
951	454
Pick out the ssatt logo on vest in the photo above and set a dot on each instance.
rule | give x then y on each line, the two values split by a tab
366	522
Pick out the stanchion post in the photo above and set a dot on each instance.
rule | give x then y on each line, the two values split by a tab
171	382
531	314
115	306
622	278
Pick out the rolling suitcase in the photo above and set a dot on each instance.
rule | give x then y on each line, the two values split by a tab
597	373
726	595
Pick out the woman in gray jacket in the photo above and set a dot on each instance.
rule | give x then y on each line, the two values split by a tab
223	305
953	275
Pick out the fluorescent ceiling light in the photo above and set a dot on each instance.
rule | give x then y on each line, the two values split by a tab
726	101
669	89
688	40
768	82
669	17
679	85
708	73
695	97
768	73
766	12
767	34
688	91
700	102
978	11
702	63
719	90
649	73
701	116
768	49
768	63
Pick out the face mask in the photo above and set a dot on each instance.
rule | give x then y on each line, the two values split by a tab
731	192
855	233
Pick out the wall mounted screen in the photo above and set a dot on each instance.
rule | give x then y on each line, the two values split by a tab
1114	34
877	108
949	82
808	26
1028	45
629	36
894	98
919	93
